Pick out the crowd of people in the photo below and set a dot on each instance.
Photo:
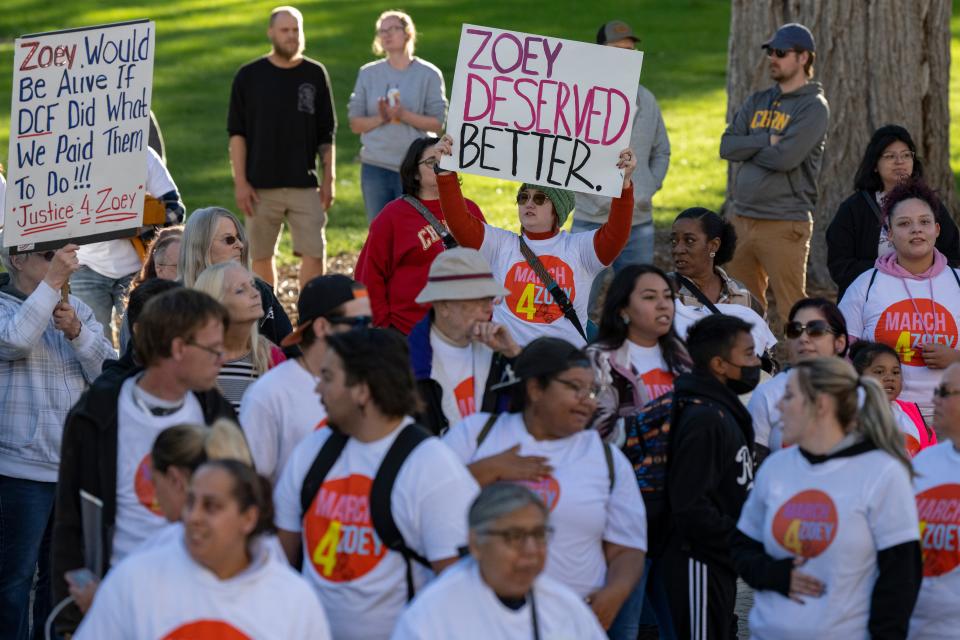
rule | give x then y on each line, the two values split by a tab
489	434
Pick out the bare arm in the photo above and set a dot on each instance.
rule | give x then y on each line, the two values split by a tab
624	569
328	188
290	542
244	192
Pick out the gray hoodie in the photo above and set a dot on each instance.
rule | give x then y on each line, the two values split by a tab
778	182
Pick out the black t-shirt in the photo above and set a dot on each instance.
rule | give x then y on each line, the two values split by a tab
285	115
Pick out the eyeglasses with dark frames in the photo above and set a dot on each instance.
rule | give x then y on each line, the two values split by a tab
515	538
538	198
356	322
214	352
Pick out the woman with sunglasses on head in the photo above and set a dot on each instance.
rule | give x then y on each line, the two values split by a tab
828	537
910	300
858	233
247	355
403	241
588	486
815	329
217	580
395	101
213	235
572	261
880	362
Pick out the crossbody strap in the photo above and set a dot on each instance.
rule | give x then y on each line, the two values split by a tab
449	242
699	295
558	295
873	206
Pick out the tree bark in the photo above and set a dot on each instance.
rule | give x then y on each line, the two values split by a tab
880	62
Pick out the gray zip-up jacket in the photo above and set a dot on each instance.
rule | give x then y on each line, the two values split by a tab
778	182
648	139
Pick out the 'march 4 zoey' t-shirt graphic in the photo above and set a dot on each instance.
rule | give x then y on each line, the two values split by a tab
806	524
907	325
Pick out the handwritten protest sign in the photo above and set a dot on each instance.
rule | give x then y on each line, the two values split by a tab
542	110
79	123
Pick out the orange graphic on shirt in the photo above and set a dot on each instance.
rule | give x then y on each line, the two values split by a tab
806	524
547	489
321	424
341	542
466	402
143	486
906	328
528	299
657	382
912	444
939	511
206	630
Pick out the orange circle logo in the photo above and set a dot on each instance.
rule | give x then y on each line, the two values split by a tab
939	511
321	424
806	524
547	489
657	382
529	299
911	444
466	402
907	325
341	541
143	486
206	630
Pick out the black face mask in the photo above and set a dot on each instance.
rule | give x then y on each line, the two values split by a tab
747	382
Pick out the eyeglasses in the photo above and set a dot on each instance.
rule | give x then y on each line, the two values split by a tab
47	255
515	538
385	31
356	322
903	156
538	198
429	162
214	352
230	240
779	53
942	392
582	393
814	329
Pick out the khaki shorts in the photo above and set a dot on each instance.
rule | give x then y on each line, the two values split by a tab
305	217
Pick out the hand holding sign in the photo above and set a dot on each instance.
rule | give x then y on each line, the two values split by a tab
627	163
63	264
65	320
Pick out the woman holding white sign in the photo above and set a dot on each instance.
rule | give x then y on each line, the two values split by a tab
548	271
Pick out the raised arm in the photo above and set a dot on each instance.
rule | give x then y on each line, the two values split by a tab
612	236
467	230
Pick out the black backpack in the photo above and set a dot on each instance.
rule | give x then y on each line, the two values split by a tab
380	515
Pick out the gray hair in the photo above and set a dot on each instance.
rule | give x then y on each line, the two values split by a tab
5	256
500	499
197	238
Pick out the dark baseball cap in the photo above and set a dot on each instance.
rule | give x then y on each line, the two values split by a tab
615	30
791	36
319	297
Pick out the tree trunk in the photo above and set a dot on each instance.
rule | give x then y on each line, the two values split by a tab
880	62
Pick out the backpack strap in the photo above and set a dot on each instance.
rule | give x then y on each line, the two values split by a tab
449	242
485	431
608	457
321	466
955	276
699	295
874	277
381	491
873	206
558	295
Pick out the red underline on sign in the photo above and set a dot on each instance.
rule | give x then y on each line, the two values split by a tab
117	217
87	221
34	135
49	227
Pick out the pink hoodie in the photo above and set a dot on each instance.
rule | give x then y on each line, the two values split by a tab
888	264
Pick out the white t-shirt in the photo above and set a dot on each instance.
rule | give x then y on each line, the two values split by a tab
937	486
686	316
361	583
173	534
118	258
138	513
892	317
583	509
163	593
460	605
461	373
529	311
652	369
767	427
278	411
838	514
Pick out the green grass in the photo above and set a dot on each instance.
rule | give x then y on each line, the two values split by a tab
201	43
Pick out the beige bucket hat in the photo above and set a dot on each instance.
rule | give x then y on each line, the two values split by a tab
460	274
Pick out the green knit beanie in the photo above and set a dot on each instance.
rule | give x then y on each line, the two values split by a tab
562	200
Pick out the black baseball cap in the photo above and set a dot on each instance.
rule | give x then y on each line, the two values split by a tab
792	35
319	297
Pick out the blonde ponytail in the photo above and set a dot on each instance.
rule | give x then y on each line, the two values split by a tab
188	446
225	441
861	403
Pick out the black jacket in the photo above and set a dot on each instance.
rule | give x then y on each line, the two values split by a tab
900	570
709	469
274	325
854	233
88	461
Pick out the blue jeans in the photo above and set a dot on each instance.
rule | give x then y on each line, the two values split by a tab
639	250
26	516
379	186
647	603
102	294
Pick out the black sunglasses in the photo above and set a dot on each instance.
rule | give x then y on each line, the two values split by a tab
814	329
47	255
357	322
230	240
779	53
538	198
